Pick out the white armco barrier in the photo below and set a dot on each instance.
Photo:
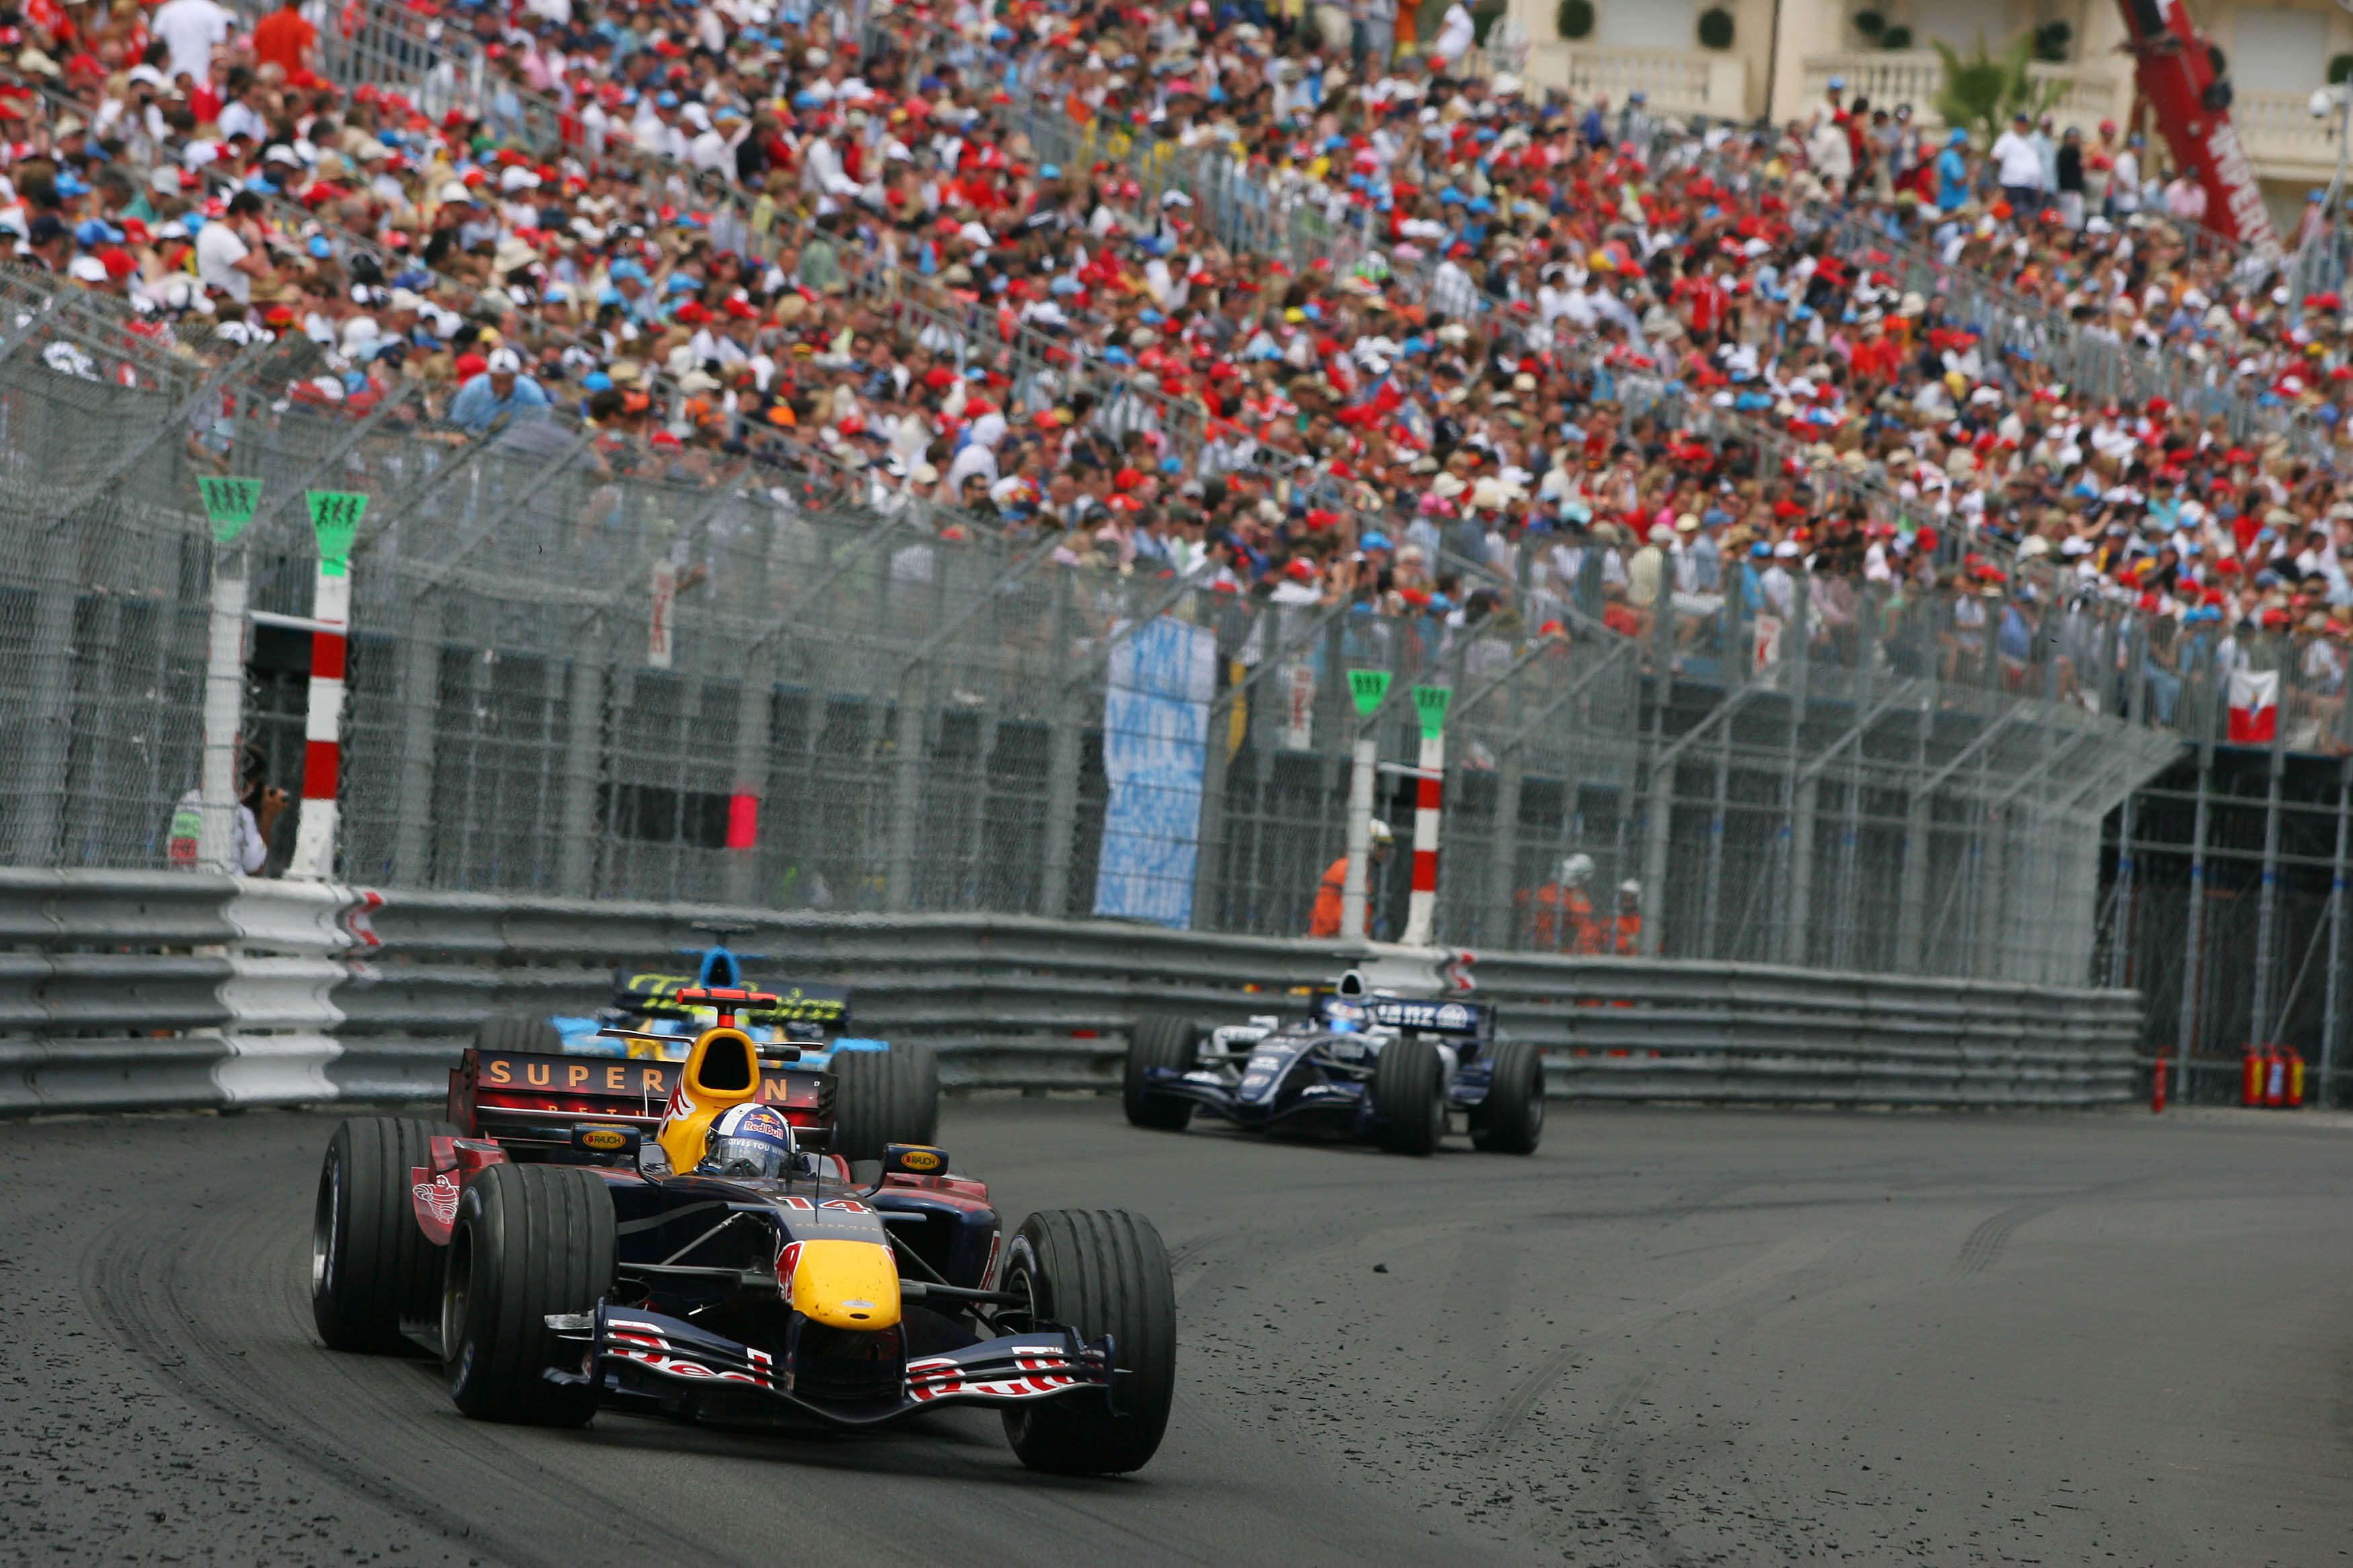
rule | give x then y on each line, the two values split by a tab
136	991
285	964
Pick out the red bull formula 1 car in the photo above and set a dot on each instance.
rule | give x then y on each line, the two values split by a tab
882	1093
1403	1072
716	1267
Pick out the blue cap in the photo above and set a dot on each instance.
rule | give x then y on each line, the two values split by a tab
1376	540
596	381
319	247
1049	171
96	231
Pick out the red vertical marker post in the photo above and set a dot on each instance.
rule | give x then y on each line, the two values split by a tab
1430	796
335	521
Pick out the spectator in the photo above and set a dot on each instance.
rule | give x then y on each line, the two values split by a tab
286	39
231	255
2018	166
191	30
500	395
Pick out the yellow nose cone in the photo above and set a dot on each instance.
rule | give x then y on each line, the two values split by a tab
846	1284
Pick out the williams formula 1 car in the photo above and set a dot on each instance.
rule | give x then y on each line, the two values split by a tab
716	1268
1401	1071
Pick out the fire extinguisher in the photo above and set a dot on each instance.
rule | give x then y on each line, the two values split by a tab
2251	1079
2157	1086
2294	1080
2274	1076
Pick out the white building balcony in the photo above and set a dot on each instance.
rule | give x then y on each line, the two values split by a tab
2087	94
1675	81
2282	138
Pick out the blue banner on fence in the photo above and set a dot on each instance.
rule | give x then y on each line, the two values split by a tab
1156	726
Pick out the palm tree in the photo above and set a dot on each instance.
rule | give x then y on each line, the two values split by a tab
1982	94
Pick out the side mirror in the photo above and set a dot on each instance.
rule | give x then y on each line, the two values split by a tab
914	1159
653	1162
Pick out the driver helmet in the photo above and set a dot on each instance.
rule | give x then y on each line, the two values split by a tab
749	1140
1574	870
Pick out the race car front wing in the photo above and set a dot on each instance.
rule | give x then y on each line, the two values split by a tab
642	1359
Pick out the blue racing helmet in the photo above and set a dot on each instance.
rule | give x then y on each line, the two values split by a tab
749	1140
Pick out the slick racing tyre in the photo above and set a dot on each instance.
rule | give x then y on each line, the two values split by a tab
1510	1120
1096	1272
884	1097
369	1262
526	1032
530	1240
1158	1042
1409	1097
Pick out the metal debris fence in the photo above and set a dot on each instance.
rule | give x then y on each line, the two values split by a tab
580	670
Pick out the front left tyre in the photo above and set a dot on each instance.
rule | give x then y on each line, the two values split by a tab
370	1264
884	1097
530	1240
1510	1120
1097	1272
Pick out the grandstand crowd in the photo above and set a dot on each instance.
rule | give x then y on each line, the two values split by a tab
1556	349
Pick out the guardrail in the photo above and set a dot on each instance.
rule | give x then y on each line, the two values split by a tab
155	991
128	991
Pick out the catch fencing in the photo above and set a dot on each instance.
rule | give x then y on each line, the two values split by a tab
591	669
142	992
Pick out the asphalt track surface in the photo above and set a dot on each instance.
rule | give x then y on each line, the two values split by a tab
1672	1337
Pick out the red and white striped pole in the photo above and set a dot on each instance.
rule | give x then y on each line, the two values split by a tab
335	519
1421	911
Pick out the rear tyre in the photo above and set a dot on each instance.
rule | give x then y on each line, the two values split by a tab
527	1032
884	1097
1097	1272
1158	1042
1409	1097
1510	1120
370	1264
530	1240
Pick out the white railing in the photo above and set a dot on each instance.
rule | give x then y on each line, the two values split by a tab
1885	77
2277	128
2085	94
1679	81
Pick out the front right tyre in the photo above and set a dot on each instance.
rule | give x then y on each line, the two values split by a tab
1409	1097
1157	1043
530	1240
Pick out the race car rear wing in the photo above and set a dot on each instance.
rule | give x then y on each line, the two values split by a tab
1421	1016
651	995
520	1098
